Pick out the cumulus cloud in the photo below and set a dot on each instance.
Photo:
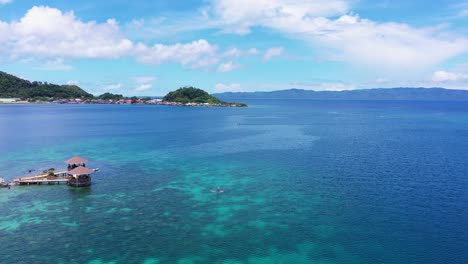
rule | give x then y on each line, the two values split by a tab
387	45
196	54
45	33
344	36
238	16
228	66
221	88
447	77
5	1
272	52
48	32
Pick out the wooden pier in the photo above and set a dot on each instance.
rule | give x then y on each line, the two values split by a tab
46	178
76	175
42	181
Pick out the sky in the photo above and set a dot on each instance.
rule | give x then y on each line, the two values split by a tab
149	47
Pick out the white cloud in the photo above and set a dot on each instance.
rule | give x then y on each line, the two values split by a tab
57	64
235	52
5	1
221	88
272	52
228	66
45	32
143	87
144	79
238	16
391	46
197	54
446	77
73	82
342	36
111	87
137	23
144	82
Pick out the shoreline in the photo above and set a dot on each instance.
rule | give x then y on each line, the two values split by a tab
124	103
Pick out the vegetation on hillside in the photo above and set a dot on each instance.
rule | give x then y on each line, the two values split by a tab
194	95
190	95
110	96
14	87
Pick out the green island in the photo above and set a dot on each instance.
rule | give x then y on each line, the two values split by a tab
194	96
17	90
110	96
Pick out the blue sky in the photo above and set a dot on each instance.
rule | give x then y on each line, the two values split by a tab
152	47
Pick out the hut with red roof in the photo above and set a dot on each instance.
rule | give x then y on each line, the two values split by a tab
78	174
76	162
80	177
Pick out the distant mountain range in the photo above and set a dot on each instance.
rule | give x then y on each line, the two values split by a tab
423	94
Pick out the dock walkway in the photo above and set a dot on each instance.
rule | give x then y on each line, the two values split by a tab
59	177
77	175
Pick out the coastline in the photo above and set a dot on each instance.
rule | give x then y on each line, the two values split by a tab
111	102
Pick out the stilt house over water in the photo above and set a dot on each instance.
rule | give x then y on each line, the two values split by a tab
78	174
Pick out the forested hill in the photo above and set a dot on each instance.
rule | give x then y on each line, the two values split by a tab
423	94
192	95
14	87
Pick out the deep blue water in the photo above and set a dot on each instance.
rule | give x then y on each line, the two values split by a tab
305	182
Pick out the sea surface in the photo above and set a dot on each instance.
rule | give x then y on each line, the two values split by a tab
304	182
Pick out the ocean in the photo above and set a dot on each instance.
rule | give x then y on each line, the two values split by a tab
304	182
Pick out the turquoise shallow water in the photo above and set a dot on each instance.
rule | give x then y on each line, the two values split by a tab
304	181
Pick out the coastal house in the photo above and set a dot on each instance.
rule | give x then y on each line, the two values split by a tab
80	177
78	174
